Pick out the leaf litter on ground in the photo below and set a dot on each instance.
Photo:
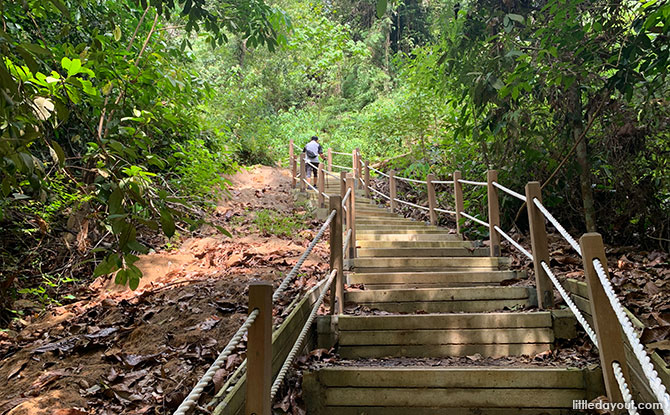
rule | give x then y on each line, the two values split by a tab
118	351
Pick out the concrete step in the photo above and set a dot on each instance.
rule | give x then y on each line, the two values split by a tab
389	280
422	390
421	251
441	300
430	264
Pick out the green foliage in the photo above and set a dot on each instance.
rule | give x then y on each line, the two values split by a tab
271	222
101	120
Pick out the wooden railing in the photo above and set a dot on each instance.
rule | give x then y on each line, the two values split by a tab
611	325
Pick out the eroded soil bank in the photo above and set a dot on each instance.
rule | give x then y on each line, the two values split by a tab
140	352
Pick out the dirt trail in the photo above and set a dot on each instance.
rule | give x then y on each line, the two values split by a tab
140	352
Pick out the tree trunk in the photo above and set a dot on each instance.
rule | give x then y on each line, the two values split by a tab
581	152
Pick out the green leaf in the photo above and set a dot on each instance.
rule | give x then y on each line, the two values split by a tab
167	222
134	276
59	152
121	277
36	49
107	266
61	7
72	67
114	201
117	33
130	259
515	17
497	84
381	8
128	235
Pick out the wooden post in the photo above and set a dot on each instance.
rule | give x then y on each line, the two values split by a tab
494	212
303	172
291	152
353	162
458	200
336	256
351	214
367	179
539	246
321	186
605	321
432	199
330	160
259	350
294	171
392	190
359	169
343	191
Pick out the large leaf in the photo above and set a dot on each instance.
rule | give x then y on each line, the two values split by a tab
381	8
167	222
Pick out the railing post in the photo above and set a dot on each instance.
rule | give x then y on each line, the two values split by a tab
432	199
343	184
294	172
353	161
458	200
357	169
605	321
291	152
494	212
351	215
392	190
259	350
539	246
303	172
330	160
336	256
321	186
367	179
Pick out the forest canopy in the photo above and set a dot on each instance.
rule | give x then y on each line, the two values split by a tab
119	117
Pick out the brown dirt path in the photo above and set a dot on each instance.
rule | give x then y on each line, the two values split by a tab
140	352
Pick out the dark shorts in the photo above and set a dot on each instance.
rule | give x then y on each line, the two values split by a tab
312	171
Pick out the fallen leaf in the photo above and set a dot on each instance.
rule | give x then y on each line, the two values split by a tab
662	345
69	411
17	369
654	334
651	288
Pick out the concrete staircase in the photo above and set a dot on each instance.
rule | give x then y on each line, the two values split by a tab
420	292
